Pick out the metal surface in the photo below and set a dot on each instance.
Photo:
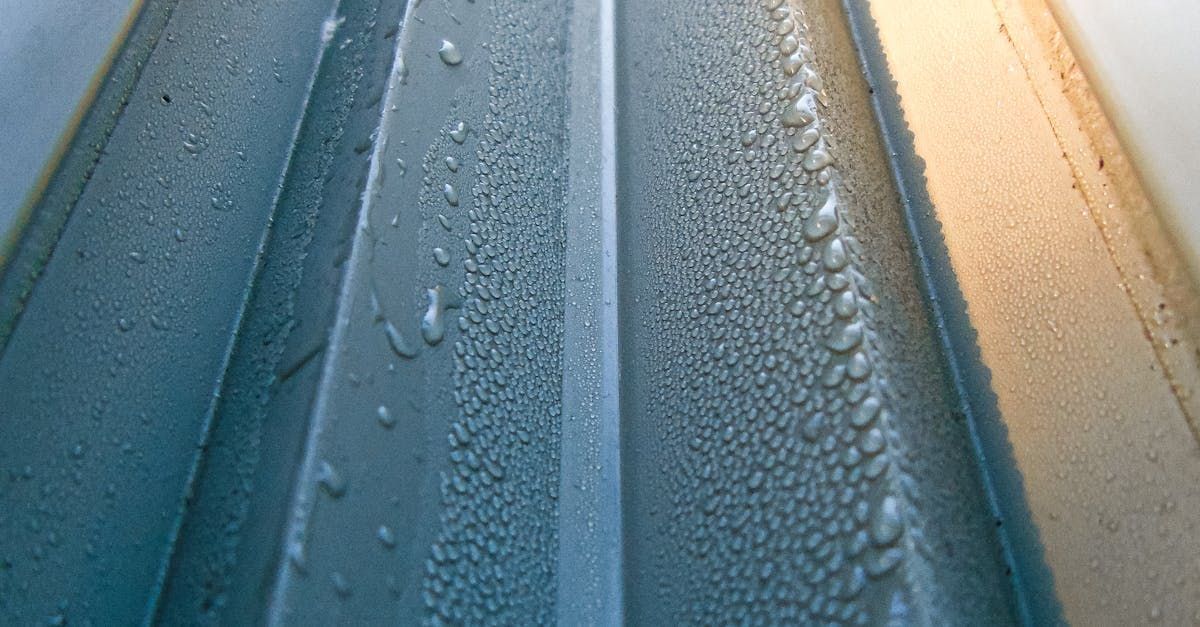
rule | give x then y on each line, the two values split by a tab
513	312
53	54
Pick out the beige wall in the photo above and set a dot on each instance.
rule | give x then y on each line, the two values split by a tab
1143	59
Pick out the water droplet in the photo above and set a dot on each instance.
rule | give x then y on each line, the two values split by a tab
451	194
885	562
296	556
859	367
433	326
845	305
835	256
385	417
805	140
459	132
847	338
193	145
799	113
329	28
872	442
386	537
401	70
330	480
887	525
449	53
865	414
824	220
818	157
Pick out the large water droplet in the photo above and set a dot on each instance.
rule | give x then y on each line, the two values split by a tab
386	536
799	113
459	132
385	417
865	413
449	53
451	194
433	326
847	338
330	480
887	525
824	220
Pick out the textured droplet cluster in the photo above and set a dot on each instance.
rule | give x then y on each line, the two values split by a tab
495	553
776	450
